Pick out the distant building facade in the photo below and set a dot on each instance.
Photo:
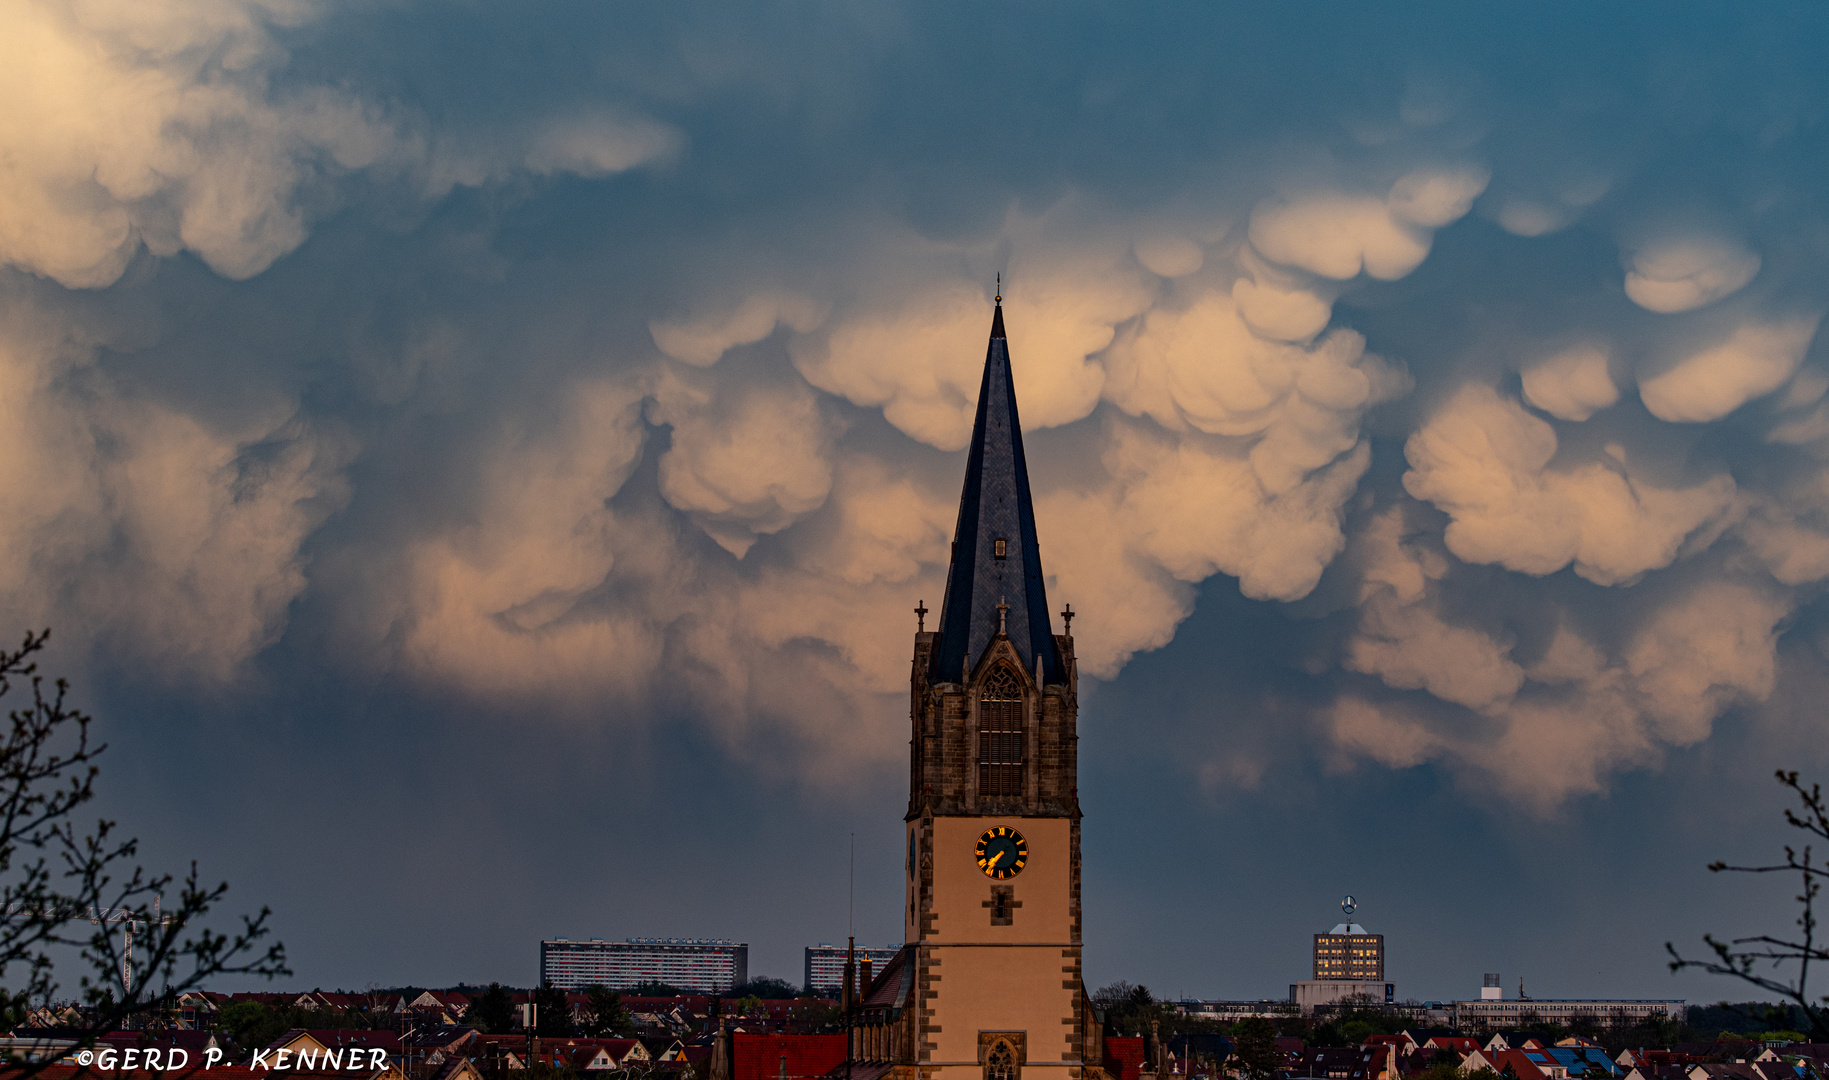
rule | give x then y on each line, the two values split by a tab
1229	1011
1349	951
1309	994
696	965
826	964
1518	1013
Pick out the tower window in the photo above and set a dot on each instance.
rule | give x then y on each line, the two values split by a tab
1000	735
1000	547
1000	1064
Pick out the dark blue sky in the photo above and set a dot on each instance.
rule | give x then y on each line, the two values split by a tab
479	460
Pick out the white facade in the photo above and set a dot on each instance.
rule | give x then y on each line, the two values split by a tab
1513	1013
696	965
825	969
1312	992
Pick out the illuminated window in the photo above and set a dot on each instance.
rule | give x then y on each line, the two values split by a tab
1000	547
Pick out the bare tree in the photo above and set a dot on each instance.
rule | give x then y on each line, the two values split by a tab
75	895
1780	965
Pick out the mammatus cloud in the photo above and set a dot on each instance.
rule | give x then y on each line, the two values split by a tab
169	126
1485	461
1548	716
1672	276
696	437
1710	382
176	541
1571	385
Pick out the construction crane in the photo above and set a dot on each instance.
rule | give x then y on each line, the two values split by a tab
128	918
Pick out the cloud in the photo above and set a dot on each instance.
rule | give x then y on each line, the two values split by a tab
1169	255
1711	382
1680	275
1197	507
917	352
168	126
1572	385
746	462
528	430
1552	724
1202	368
176	540
704	342
1338	235
1487	463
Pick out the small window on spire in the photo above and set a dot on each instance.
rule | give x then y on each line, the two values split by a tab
1000	547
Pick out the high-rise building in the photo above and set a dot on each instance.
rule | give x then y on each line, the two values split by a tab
1349	951
698	965
826	964
989	985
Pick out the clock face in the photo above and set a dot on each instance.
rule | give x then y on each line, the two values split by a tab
1002	852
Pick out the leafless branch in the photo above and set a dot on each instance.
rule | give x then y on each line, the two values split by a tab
1762	963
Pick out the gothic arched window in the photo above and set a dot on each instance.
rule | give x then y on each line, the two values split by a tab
1000	735
1000	1063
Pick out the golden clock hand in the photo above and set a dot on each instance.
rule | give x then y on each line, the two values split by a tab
993	861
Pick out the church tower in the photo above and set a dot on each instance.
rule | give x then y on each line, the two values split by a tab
988	986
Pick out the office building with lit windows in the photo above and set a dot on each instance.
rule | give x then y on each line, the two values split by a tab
1349	951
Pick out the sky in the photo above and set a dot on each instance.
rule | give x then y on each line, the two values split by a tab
479	460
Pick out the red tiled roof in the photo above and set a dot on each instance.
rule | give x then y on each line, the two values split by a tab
758	1057
1518	1061
1125	1052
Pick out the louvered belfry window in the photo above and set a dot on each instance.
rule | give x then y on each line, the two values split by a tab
1000	735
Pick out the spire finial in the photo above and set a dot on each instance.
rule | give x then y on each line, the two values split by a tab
920	616
999	296
1067	618
1003	609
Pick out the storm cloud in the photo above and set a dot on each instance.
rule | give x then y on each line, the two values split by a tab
599	369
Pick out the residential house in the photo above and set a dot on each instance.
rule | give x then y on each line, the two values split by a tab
1515	1040
1329	1063
196	1008
315	1042
440	1007
1459	1044
1518	1061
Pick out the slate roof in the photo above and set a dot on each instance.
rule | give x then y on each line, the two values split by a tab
995	505
893	987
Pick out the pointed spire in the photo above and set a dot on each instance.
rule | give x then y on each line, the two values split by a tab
996	559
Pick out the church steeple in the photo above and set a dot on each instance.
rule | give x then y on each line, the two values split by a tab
996	560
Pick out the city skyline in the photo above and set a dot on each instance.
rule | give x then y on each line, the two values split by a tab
483	466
